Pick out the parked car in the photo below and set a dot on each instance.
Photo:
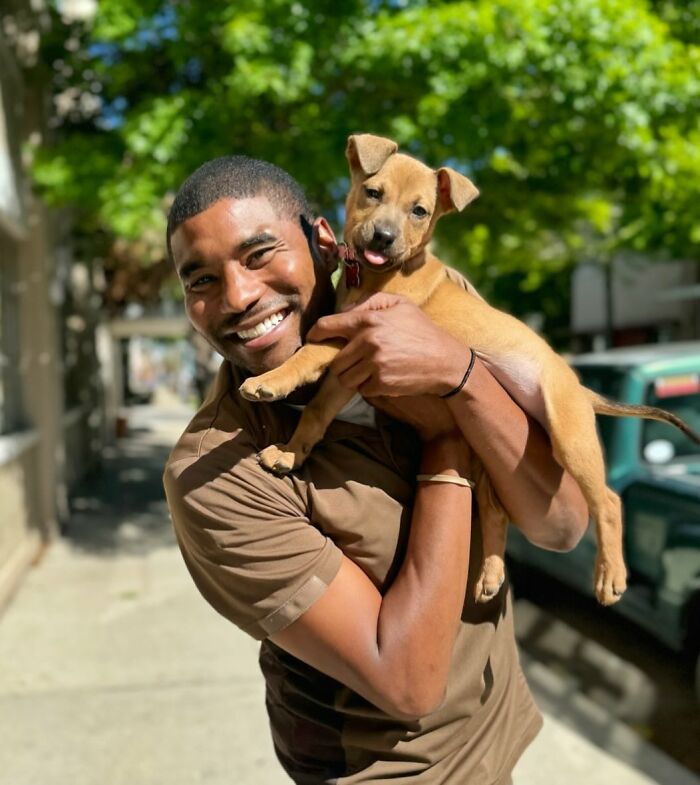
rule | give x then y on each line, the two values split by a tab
656	470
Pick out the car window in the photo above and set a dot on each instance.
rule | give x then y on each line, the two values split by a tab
607	381
679	395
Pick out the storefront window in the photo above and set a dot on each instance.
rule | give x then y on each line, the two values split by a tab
10	404
12	226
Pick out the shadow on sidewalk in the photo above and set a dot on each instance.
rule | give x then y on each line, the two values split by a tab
608	672
120	508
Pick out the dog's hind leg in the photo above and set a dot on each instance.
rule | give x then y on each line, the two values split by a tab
315	419
493	522
576	447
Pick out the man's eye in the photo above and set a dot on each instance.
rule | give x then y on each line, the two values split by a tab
258	256
419	212
201	282
373	193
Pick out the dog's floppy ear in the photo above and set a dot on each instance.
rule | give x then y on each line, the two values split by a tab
455	191
367	154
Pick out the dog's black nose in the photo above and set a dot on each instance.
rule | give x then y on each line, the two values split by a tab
382	238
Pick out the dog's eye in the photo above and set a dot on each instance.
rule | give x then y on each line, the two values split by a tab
419	212
373	193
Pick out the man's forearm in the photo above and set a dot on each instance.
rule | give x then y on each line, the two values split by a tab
541	499
396	649
420	613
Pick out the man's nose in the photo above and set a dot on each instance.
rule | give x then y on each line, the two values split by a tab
241	288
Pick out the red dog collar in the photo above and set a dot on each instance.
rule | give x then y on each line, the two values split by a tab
352	266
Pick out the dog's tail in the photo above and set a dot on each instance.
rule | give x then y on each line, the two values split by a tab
602	405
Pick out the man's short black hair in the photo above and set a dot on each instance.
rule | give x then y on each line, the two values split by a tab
238	177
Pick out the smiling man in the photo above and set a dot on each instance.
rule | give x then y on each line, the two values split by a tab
357	577
267	308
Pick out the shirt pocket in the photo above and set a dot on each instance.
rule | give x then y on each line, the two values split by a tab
363	505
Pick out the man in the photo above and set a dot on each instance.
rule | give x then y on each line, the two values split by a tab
357	579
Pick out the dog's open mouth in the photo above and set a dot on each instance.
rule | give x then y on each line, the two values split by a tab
375	260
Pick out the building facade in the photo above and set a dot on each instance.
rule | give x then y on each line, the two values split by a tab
636	300
51	413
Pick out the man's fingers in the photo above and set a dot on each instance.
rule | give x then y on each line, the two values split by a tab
349	355
340	325
375	302
350	365
354	317
356	376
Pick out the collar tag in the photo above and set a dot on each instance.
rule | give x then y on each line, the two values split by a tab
352	274
352	266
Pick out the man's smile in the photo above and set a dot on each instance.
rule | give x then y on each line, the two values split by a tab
261	331
261	327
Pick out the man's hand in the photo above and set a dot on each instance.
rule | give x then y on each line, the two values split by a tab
393	349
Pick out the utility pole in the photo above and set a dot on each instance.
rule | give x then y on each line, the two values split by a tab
609	308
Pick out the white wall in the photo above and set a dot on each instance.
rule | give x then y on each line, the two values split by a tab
640	289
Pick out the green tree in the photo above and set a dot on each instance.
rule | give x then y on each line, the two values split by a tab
578	120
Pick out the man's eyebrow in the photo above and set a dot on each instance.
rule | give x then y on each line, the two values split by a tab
256	239
188	268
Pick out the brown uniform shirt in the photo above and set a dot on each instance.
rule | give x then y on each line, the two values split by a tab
263	549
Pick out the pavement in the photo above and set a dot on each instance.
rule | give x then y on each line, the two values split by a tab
113	670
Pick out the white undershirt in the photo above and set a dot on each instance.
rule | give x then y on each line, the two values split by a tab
356	411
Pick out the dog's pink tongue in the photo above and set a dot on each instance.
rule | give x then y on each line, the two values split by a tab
374	258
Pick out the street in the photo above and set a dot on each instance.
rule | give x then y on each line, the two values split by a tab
611	661
114	671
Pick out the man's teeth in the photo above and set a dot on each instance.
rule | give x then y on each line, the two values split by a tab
262	328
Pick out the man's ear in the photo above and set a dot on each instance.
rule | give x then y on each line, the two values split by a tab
367	154
324	246
455	191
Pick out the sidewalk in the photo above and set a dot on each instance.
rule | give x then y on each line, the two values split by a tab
113	671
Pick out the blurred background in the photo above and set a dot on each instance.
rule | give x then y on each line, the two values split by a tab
579	123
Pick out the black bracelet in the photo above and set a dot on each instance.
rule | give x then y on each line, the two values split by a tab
464	378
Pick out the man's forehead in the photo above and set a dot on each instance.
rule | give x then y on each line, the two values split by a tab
228	223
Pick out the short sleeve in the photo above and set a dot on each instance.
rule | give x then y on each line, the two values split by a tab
246	539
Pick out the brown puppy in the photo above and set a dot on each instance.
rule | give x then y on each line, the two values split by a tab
392	208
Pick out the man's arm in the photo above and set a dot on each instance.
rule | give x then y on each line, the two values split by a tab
541	499
260	562
395	650
395	350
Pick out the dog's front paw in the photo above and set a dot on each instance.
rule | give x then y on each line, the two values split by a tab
490	580
254	389
277	459
610	581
